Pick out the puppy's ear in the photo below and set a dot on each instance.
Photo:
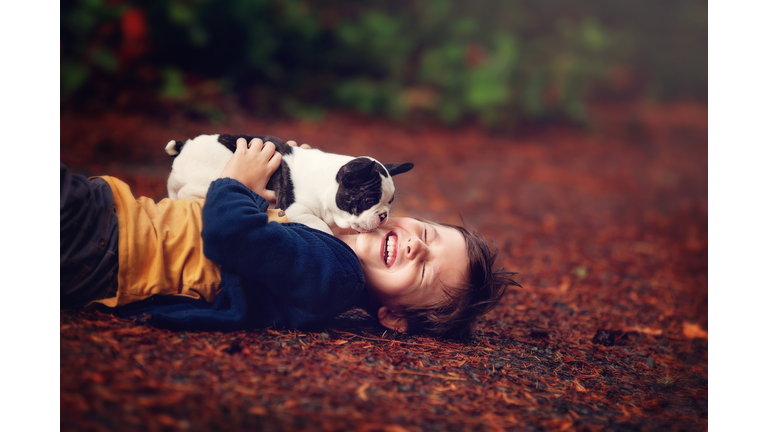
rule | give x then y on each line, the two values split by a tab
395	169
356	172
173	148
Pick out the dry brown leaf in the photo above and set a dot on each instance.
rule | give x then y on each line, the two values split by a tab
361	391
645	330
394	428
578	386
245	390
168	421
692	331
258	411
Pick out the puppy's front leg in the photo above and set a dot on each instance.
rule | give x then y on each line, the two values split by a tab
301	214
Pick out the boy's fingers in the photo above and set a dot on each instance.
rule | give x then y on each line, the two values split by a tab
241	144
274	162
269	149
257	142
269	195
293	143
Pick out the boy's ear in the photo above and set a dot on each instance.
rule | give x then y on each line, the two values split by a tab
389	319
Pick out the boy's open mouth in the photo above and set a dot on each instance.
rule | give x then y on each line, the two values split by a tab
389	249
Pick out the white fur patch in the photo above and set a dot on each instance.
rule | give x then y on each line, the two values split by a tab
170	148
198	164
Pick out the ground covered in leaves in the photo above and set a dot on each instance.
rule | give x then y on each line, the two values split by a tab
606	225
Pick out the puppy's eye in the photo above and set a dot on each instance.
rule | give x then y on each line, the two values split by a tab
369	201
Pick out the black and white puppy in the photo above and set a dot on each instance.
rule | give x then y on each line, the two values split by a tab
313	187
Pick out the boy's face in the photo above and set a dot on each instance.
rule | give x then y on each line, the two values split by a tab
407	262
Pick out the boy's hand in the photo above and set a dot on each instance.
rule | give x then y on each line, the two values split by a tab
292	143
253	165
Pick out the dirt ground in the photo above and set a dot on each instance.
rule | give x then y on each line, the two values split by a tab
607	227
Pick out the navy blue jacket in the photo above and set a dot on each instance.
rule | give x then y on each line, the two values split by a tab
282	275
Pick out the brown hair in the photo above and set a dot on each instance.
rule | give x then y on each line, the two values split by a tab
456	316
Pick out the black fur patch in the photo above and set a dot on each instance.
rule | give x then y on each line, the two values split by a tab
280	182
395	169
230	142
359	185
178	145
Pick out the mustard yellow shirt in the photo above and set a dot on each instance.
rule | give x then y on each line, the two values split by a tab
160	251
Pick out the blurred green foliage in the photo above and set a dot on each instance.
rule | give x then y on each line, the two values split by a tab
498	61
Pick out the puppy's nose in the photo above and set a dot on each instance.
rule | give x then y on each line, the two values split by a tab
382	217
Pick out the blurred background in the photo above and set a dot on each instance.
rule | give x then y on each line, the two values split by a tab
572	134
497	62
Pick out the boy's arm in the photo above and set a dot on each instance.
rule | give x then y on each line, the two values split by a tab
296	263
306	268
234	221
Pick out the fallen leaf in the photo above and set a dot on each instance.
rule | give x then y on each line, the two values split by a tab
361	391
167	420
245	390
644	330
692	331
394	428
578	386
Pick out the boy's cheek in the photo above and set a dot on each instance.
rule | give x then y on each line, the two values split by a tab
376	283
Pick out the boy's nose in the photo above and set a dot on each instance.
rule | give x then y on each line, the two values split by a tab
414	248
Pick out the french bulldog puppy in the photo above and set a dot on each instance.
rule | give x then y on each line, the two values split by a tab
313	187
